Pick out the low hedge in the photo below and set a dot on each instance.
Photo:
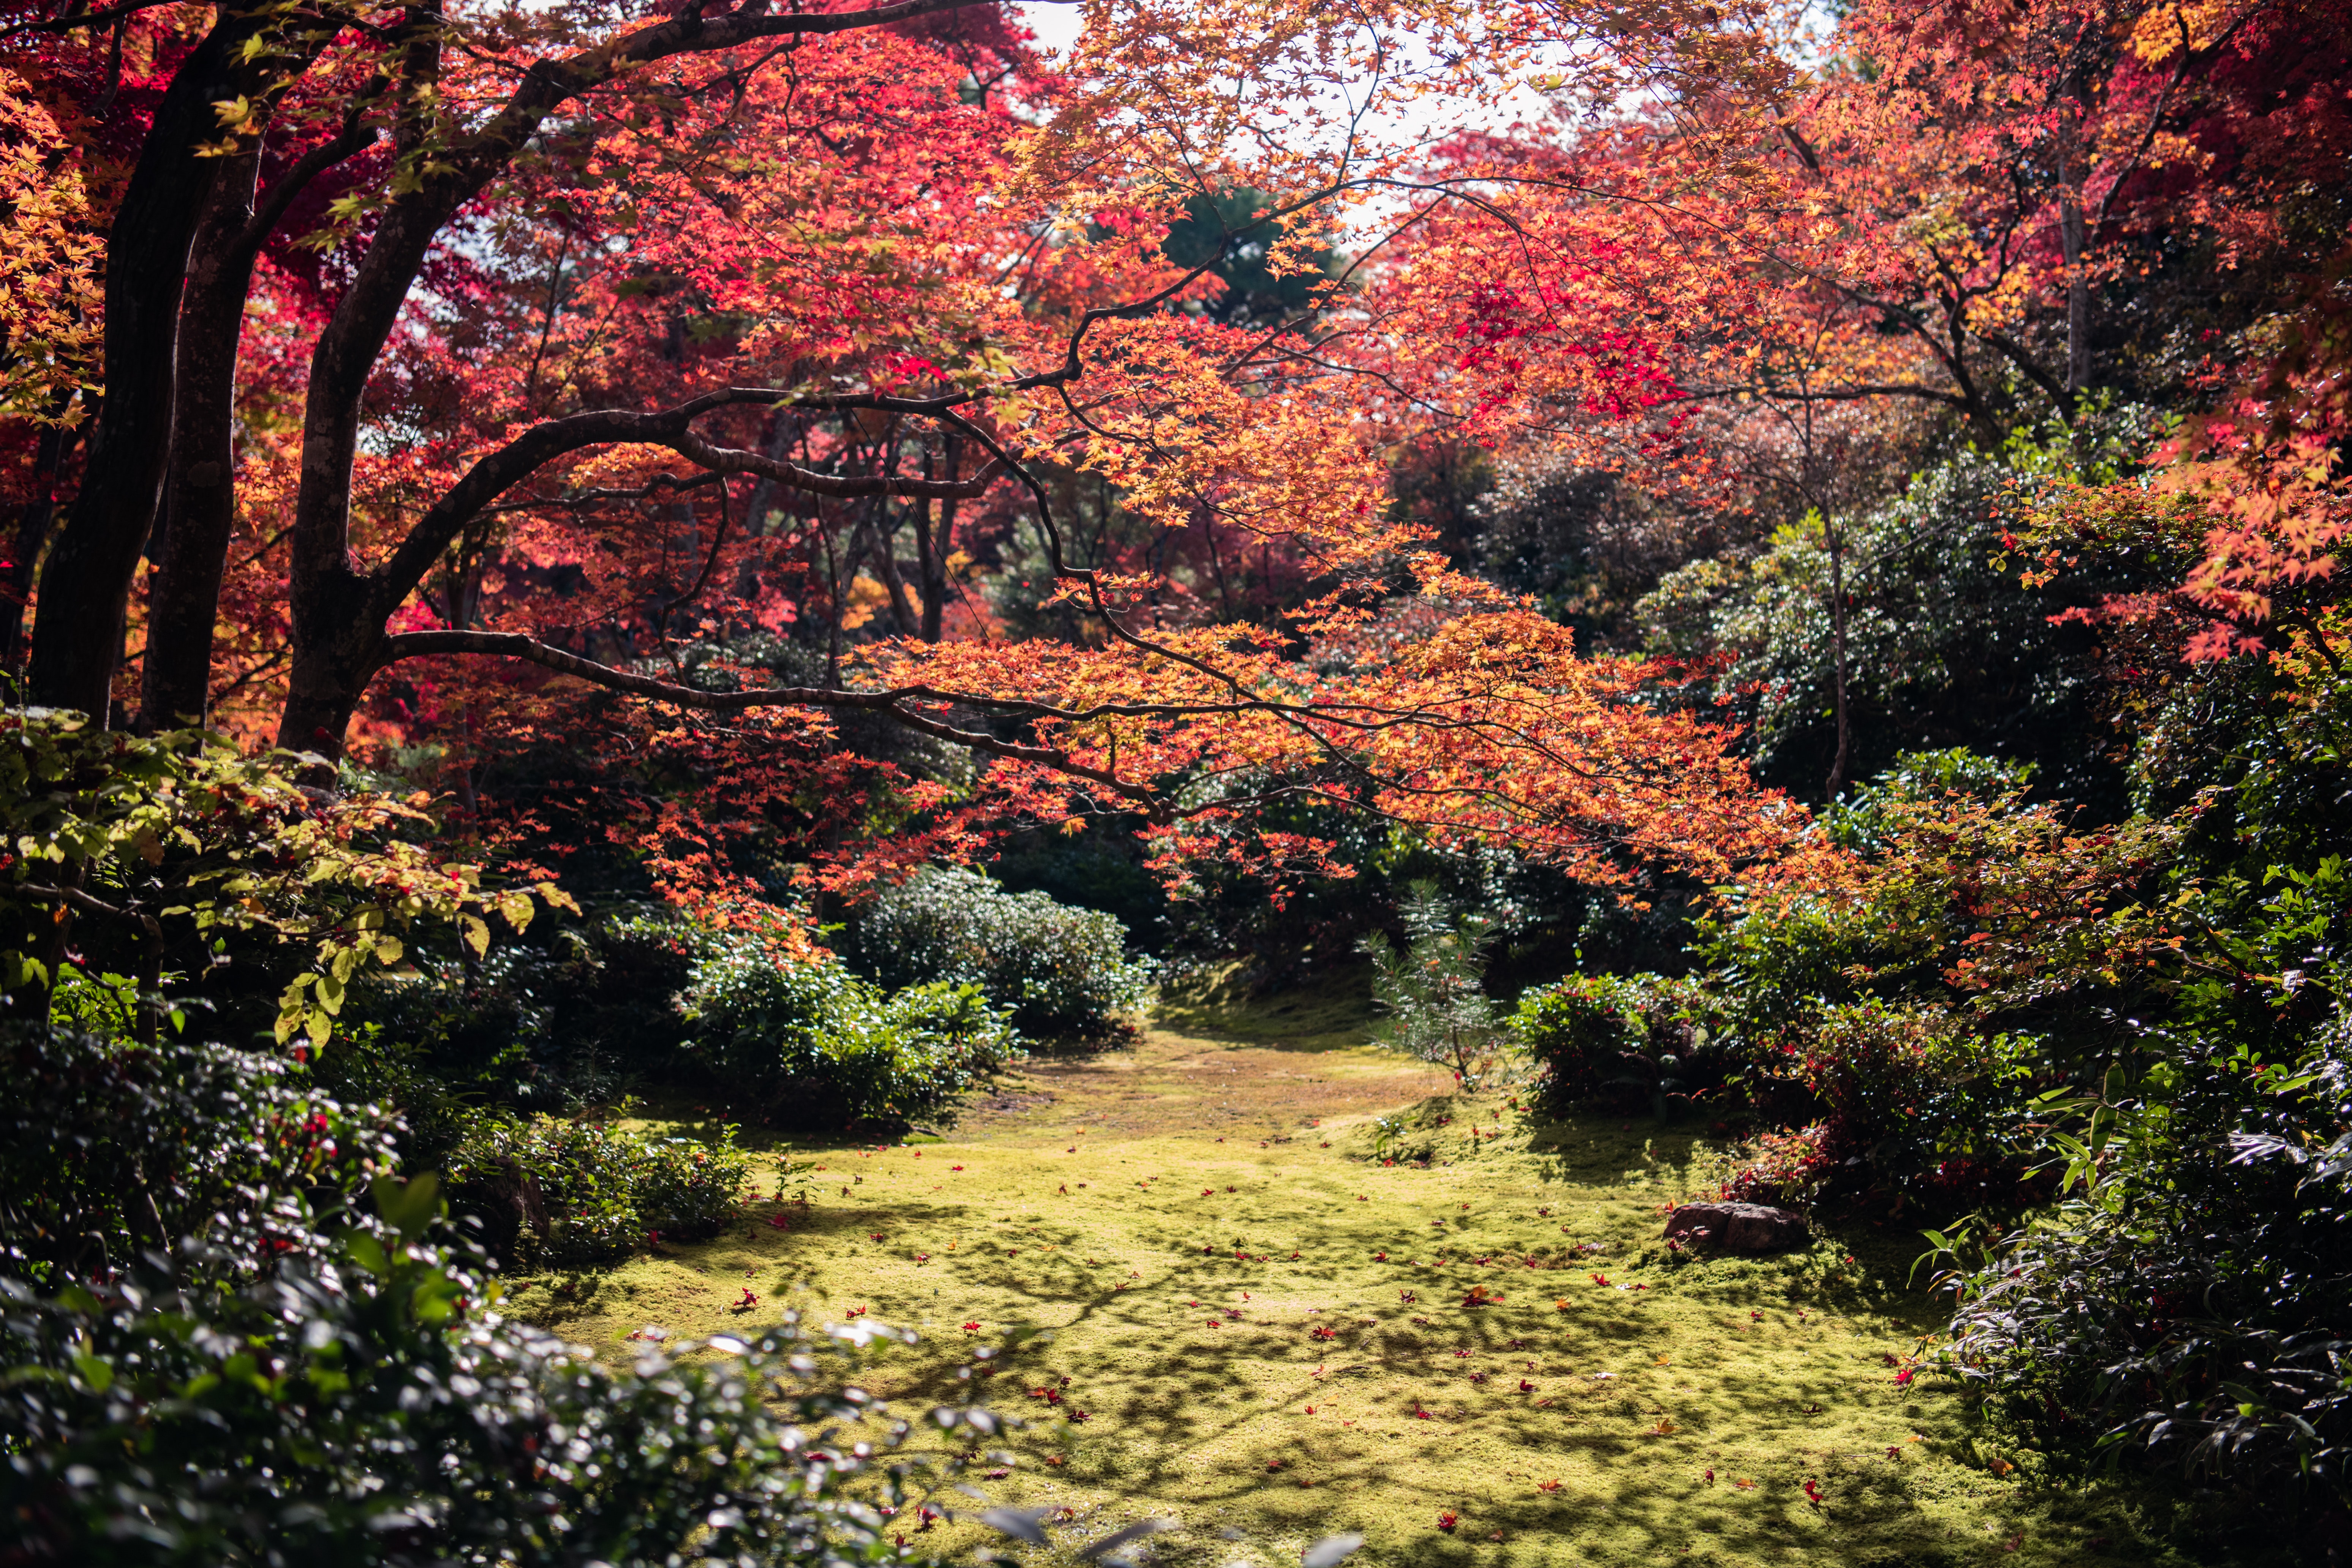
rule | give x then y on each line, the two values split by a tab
812	1044
111	1151
1061	972
1647	1039
365	1406
566	1193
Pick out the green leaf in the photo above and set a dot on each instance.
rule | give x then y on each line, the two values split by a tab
407	1207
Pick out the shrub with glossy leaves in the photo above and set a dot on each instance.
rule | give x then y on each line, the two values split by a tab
1061	971
1650	1039
561	1192
813	1043
108	1150
367	1406
2187	1307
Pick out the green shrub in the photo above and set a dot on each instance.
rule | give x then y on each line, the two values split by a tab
1061	971
108	1150
535	1027
1650	1039
2185	1308
567	1192
365	1406
815	1044
1907	1092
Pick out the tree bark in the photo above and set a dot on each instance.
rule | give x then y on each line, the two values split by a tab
931	552
1837	644
199	497
2071	243
33	521
86	584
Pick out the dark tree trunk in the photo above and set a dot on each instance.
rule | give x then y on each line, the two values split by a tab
1837	639
77	633
2073	241
931	552
33	521
200	506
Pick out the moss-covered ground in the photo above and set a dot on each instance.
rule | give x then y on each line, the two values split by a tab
1251	1324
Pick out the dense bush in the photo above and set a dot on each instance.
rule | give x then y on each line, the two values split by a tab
567	1192
108	1150
1060	971
1913	1094
366	1406
1649	1038
186	858
537	1027
813	1043
2191	1306
1943	643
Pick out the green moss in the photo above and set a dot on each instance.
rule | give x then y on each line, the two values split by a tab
1102	1202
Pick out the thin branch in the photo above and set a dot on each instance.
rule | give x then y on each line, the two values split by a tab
76	898
85	19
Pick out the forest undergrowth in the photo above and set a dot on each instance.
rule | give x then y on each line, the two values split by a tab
1222	1288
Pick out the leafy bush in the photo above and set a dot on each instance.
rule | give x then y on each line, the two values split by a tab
1648	1038
573	1192
814	1043
365	1407
1910	1092
534	1027
172	852
1060	971
1942	639
108	1151
2186	1309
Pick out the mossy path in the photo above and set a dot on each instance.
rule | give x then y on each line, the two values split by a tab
1252	1326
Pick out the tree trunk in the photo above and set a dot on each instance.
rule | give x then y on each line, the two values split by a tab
86	584
1837	643
2072	244
200	507
40	510
931	550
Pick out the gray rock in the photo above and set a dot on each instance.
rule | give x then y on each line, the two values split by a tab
1740	1227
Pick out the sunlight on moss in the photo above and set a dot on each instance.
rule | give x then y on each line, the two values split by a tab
1244	1320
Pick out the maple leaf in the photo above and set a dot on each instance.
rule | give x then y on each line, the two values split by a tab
1546	1486
1447	1521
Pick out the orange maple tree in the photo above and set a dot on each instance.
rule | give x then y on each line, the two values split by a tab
437	341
